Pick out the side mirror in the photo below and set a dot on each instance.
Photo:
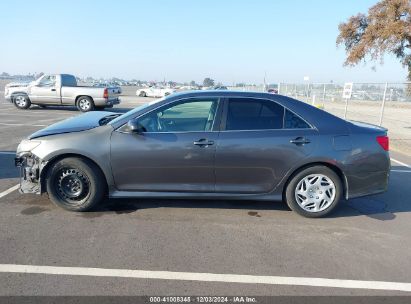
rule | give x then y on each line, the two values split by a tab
133	126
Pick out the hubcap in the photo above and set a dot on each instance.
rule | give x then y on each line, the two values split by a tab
315	192
84	104
20	101
72	185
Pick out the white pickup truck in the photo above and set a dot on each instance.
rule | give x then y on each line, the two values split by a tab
60	89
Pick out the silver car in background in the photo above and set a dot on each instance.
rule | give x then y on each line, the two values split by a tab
209	145
61	90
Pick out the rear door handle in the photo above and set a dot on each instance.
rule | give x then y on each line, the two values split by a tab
53	90
203	142
300	141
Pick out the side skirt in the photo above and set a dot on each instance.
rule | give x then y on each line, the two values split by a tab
184	195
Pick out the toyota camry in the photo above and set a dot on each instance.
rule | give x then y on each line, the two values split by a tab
208	145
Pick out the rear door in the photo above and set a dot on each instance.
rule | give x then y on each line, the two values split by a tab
259	143
175	153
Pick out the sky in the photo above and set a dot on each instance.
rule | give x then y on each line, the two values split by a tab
227	40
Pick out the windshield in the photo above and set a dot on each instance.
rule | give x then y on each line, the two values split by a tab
135	110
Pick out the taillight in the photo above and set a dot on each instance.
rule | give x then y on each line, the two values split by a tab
384	142
105	95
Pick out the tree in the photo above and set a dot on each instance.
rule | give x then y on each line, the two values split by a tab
193	83
208	82
386	29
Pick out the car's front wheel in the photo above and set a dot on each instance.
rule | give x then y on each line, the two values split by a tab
75	184
22	101
314	191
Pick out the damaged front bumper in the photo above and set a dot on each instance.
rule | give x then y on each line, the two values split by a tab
30	169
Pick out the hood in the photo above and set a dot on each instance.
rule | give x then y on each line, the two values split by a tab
17	85
78	123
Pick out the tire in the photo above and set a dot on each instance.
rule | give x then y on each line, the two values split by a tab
21	101
75	184
142	94
85	104
314	191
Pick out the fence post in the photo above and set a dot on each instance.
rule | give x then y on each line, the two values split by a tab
346	108
279	87
383	102
324	93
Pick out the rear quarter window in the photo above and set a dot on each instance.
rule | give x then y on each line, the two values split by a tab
292	121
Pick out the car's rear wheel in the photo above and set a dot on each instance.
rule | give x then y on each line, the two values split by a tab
75	184
22	101
314	191
85	104
142	94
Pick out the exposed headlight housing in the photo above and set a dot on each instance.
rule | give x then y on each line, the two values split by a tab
27	145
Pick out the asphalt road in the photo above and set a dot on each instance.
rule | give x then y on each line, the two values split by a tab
366	239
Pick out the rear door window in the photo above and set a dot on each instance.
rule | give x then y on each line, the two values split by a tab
254	114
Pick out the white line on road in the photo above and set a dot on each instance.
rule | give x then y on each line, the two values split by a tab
204	277
401	163
8	191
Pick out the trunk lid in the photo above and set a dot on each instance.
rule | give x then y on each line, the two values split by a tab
367	127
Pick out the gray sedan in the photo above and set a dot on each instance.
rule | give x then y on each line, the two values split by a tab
208	145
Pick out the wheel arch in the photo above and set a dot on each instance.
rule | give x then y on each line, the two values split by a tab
57	158
14	94
337	170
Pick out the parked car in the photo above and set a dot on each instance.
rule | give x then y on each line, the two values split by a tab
220	87
210	145
154	92
61	90
115	88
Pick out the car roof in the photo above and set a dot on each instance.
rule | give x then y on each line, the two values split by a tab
322	120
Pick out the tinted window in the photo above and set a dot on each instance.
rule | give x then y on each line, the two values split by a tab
292	121
191	115
254	114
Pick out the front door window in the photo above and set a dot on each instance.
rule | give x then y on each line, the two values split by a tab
186	116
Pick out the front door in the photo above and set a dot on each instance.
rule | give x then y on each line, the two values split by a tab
46	91
261	142
174	152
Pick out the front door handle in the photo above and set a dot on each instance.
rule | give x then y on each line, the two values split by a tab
53	90
300	141
203	142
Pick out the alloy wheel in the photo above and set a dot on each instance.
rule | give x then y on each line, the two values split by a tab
84	104
20	101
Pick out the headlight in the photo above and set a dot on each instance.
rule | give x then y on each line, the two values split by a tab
27	145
